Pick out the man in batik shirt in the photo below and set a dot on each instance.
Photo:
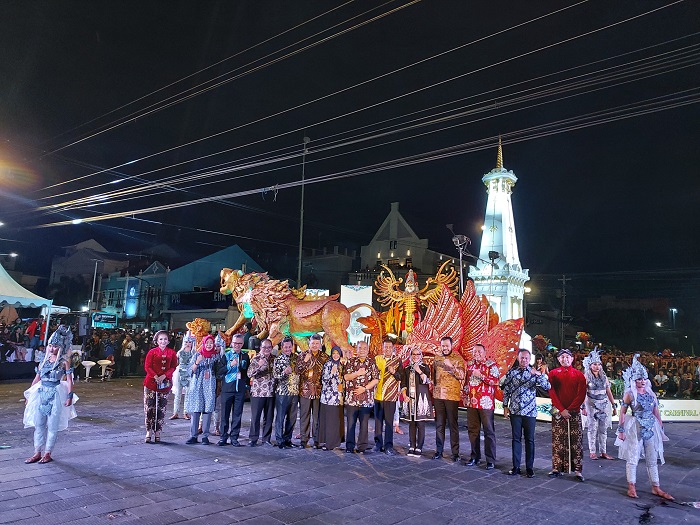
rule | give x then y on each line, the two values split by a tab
286	393
262	394
361	376
520	406
448	374
481	383
385	397
310	368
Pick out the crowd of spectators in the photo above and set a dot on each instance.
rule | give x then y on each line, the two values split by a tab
673	376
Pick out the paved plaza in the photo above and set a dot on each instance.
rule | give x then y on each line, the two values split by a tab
104	473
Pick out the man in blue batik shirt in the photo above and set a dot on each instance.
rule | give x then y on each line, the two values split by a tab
232	369
520	406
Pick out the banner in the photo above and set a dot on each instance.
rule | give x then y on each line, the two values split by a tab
671	409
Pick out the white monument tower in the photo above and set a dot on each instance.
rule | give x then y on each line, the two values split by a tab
499	275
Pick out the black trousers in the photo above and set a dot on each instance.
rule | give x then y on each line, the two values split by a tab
353	415
286	408
518	425
446	412
384	417
265	407
231	408
416	434
478	418
308	421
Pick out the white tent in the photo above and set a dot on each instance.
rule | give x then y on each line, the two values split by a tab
14	294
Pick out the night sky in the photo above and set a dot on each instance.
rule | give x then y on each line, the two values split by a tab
608	197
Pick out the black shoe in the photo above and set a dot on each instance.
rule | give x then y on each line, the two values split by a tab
252	443
514	472
288	445
390	452
365	451
205	441
438	455
303	444
490	466
554	474
268	443
192	441
579	477
235	443
418	452
472	462
222	443
281	445
349	451
455	458
530	473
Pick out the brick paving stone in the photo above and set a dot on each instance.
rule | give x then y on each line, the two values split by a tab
12	515
115	505
66	516
27	501
155	518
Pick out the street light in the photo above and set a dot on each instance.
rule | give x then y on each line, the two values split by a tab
526	291
11	254
94	280
673	311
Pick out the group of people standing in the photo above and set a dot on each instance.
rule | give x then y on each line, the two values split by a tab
336	393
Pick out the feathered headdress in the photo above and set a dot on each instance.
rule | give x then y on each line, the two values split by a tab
592	357
635	371
189	338
63	338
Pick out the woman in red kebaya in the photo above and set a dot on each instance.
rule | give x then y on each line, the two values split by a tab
160	364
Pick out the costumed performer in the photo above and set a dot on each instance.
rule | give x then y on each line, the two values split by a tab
160	365
597	405
641	433
50	399
181	377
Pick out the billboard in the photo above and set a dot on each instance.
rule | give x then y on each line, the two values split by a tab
104	320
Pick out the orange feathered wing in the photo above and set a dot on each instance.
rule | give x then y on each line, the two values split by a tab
502	344
442	319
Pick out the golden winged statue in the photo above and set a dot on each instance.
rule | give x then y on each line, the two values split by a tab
405	305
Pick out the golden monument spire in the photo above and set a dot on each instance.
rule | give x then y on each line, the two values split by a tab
499	156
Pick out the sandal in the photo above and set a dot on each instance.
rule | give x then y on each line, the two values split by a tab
593	456
36	457
632	490
607	456
187	417
147	440
661	493
46	459
174	416
157	438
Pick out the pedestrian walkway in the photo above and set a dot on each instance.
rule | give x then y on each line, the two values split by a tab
104	473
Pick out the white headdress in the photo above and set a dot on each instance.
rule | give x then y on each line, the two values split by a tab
593	357
63	339
189	338
636	371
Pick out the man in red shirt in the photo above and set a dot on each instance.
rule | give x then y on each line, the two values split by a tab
481	382
568	393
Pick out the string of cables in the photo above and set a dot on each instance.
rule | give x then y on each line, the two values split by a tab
212	84
644	107
602	78
338	92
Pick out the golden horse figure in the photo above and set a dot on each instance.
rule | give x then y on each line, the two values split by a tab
282	311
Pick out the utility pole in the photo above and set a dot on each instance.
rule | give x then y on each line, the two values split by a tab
563	309
301	210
